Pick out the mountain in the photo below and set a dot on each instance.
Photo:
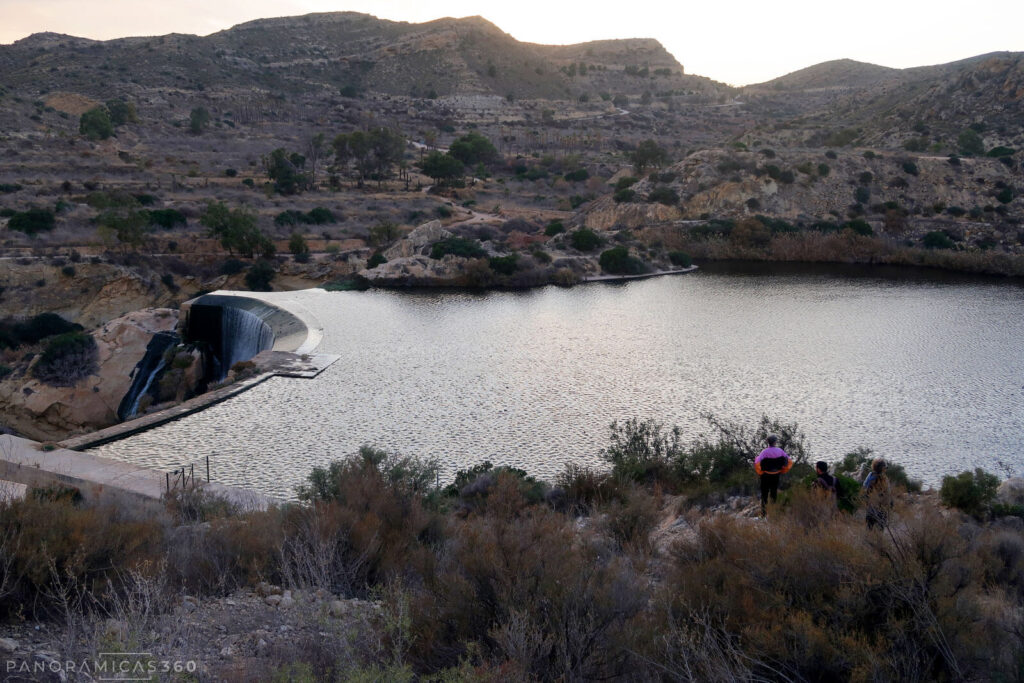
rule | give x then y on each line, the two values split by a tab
842	74
352	51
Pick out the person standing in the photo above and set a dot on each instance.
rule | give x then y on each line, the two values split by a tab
770	465
877	495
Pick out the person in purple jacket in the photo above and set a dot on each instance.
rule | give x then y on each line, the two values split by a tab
770	465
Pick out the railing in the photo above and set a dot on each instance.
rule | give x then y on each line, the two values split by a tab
184	477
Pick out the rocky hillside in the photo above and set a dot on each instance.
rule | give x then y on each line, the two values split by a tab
343	50
844	102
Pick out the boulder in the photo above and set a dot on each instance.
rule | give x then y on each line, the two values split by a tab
1011	491
8	645
413	243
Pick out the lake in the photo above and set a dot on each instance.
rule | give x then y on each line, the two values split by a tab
925	369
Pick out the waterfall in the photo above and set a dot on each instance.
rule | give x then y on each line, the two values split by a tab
145	372
243	335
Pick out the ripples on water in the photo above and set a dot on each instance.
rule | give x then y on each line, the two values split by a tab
928	373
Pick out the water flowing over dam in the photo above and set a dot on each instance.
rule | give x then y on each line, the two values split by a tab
235	328
151	365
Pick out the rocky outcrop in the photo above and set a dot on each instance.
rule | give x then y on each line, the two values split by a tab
416	243
1011	491
605	214
50	413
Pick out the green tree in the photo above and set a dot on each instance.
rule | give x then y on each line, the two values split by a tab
472	149
121	112
95	124
129	227
443	168
198	120
648	153
372	153
585	239
236	229
297	245
259	276
285	171
973	493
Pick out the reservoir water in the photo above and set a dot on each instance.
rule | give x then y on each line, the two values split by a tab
926	370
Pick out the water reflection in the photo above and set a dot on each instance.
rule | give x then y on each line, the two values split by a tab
926	371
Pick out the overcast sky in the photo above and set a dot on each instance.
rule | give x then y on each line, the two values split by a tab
738	42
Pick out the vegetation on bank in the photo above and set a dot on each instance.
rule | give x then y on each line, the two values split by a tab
639	571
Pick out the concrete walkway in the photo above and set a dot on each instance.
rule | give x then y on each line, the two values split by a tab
101	479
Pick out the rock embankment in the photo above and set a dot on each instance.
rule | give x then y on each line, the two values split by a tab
49	413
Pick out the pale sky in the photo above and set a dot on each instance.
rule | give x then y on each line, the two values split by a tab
738	42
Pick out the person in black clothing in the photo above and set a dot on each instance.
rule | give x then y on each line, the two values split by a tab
826	484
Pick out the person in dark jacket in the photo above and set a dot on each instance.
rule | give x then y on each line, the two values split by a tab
826	485
770	465
877	495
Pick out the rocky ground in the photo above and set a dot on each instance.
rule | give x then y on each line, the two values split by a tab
245	635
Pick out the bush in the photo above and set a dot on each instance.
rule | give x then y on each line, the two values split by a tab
66	359
663	195
680	259
504	265
862	195
578	175
459	246
625	182
376	259
859	227
95	124
553	228
167	218
937	239
617	261
33	221
14	333
624	196
584	239
910	168
969	492
320	216
260	275
232	266
642	450
297	244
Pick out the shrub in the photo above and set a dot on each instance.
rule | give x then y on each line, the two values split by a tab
297	244
376	259
663	195
862	194
937	239
578	175
504	265
320	216
33	221
584	239
66	359
384	233
910	168
618	261
290	217
680	258
624	196
642	450
95	124
969	492
259	276
859	227
14	333
167	218
232	266
459	246
230	172
553	228
787	177
1000	151
625	182
824	170
1005	196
